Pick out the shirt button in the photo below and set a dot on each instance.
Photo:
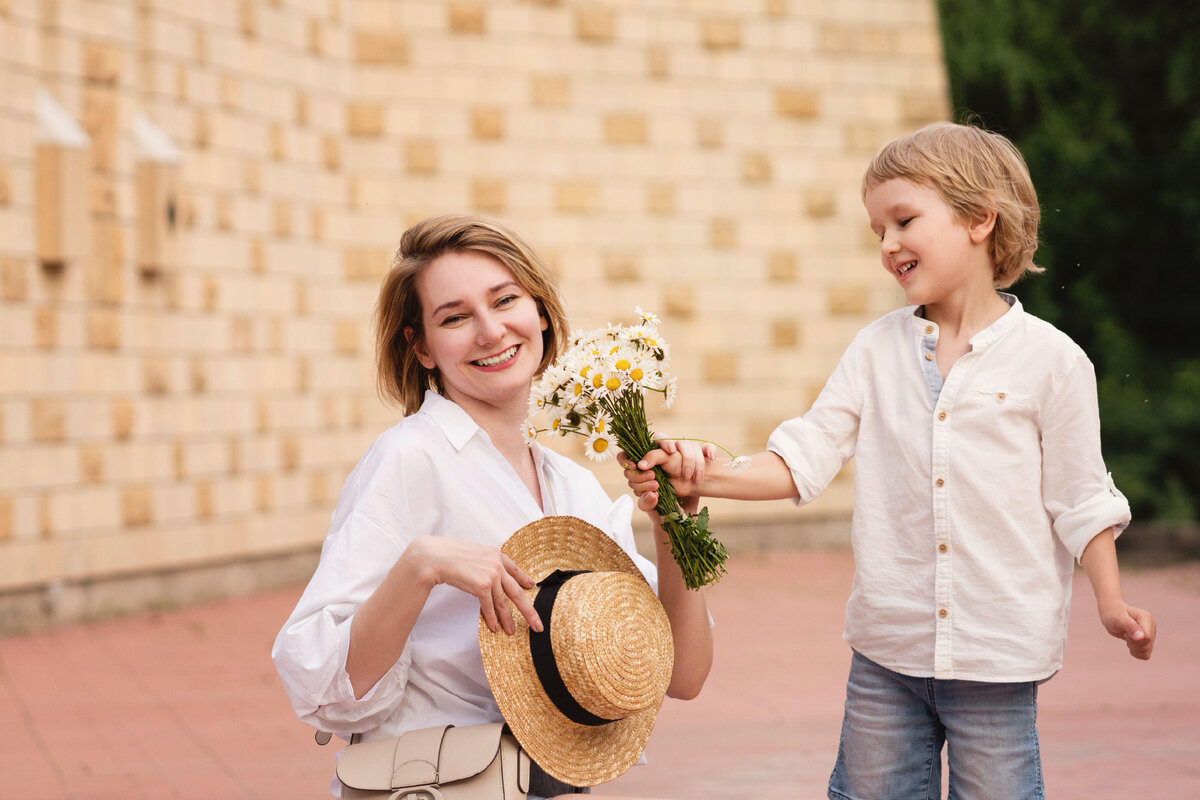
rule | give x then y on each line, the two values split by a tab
1001	396
929	356
941	415
943	613
929	329
940	482
942	547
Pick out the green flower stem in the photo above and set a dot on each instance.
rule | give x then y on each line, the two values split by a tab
700	557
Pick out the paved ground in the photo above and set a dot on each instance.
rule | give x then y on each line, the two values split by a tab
185	704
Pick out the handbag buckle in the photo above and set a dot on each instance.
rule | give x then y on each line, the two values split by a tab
417	793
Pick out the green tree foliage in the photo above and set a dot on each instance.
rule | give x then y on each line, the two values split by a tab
1103	99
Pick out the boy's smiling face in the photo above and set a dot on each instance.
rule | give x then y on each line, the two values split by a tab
934	256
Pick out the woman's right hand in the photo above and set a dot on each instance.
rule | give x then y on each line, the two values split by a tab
481	571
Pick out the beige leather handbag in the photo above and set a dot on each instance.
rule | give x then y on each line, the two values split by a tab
474	762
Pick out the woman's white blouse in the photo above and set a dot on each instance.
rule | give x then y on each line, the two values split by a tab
434	473
972	496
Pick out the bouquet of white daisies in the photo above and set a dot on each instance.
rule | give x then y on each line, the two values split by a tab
596	389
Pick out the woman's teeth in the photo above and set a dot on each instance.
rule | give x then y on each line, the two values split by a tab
491	361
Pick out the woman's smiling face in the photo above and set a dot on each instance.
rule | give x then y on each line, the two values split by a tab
482	331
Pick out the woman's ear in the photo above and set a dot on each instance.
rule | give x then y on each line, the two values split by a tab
418	346
981	226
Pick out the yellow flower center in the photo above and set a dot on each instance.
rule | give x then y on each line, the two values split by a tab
636	373
623	364
650	342
613	384
597	380
599	426
600	445
554	424
578	389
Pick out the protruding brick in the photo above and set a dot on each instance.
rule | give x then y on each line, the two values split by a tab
365	263
622	268
467	17
679	301
224	212
45	514
229	92
5	185
156	375
782	267
277	142
820	202
364	119
710	132
301	109
252	177
346	336
202	129
756	167
264	493
720	367
658	63
122	418
660	199
487	123
331	152
103	329
91	463
45	327
100	121
282	216
846	300
205	506
723	233
179	460
720	33
550	91
488	194
137	507
197	376
48	418
577	197
421	157
388	48
625	128
241	334
797	103
785	334
595	24
289	453
101	63
14	279
6	517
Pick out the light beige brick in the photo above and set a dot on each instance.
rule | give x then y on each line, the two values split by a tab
7	525
421	157
720	33
384	47
179	461
202	129
785	334
487	123
103	329
331	152
101	63
277	142
347	336
782	267
137	506
595	24
550	91
5	184
289	453
282	218
48	419
720	367
14	279
248	19
799	103
658	63
364	119
820	202
921	108
467	17
577	197
759	429
45	516
252	177
197	376
366	263
857	39
625	128
204	502
863	137
241	334
756	167
723	233
264	493
156	375
489	195
847	300
258	252
301	109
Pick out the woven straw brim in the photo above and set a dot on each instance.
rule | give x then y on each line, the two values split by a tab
580	755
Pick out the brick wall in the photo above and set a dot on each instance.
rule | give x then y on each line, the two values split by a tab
701	160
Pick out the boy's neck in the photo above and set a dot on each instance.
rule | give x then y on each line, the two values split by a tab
961	317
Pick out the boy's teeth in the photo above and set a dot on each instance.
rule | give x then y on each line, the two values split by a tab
906	267
505	356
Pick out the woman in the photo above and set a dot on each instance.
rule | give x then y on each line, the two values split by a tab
384	638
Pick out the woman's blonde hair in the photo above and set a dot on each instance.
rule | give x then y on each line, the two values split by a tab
398	321
974	171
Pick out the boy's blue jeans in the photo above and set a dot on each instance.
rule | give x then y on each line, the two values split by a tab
894	727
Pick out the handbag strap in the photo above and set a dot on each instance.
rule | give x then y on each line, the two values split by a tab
417	756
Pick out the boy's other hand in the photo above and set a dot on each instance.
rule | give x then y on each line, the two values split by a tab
1135	625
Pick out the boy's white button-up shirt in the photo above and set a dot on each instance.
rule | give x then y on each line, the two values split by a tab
972	497
434	473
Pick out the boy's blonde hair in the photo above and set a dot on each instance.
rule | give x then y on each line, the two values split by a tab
398	319
974	171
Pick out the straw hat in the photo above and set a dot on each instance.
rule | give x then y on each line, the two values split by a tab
608	639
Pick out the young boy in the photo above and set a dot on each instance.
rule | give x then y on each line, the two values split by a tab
978	480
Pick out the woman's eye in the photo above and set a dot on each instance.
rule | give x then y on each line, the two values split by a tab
508	299
453	319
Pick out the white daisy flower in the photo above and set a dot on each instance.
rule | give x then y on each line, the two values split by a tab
672	390
601	446
739	463
646	317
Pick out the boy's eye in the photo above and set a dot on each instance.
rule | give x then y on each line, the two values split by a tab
904	222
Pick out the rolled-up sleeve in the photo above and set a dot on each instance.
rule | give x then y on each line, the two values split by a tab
817	445
1079	492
